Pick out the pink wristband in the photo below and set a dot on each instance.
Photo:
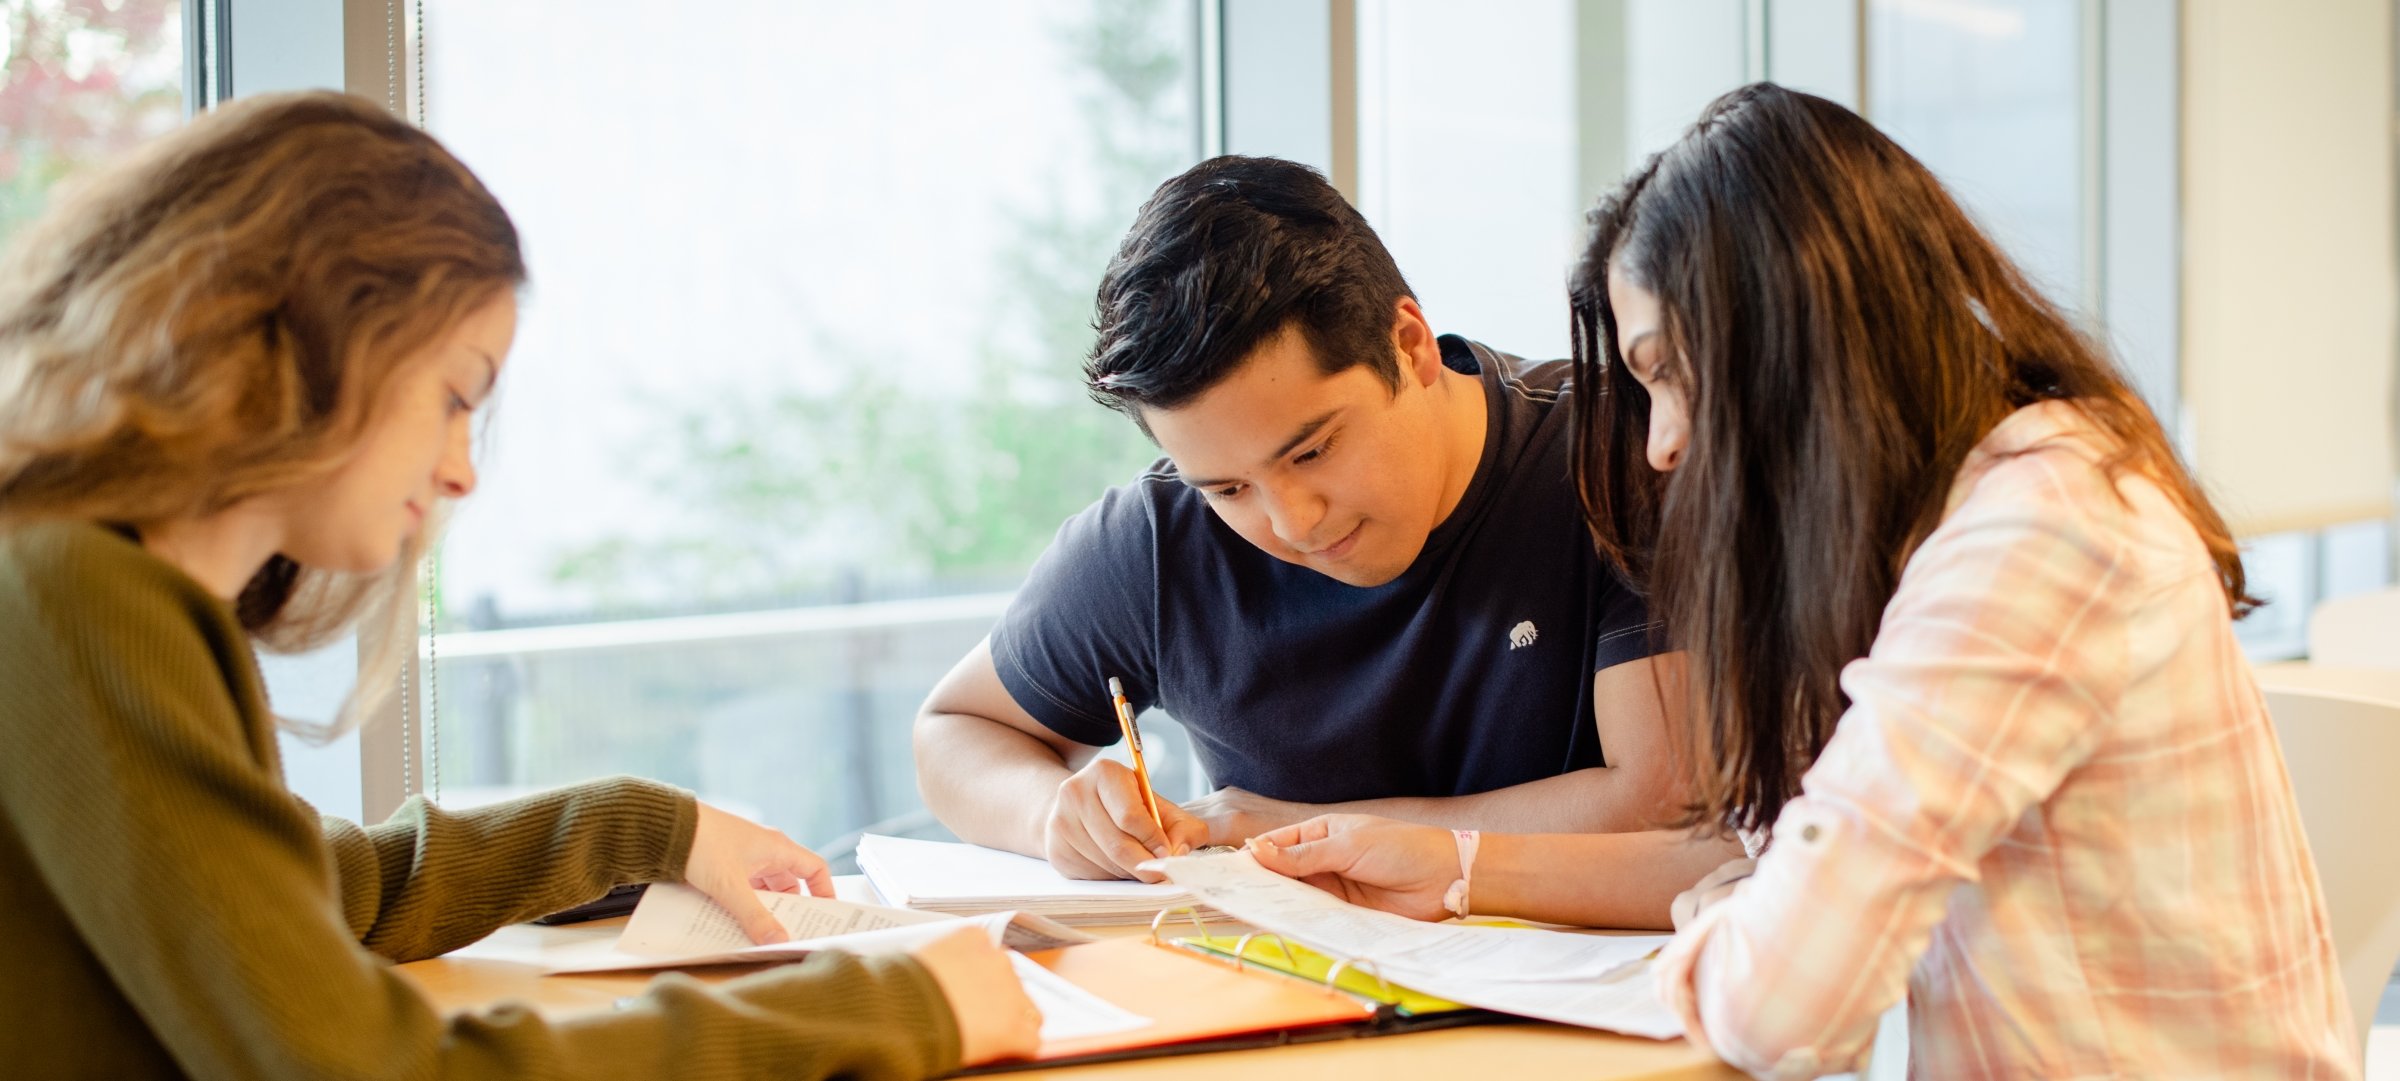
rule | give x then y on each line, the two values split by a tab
1455	898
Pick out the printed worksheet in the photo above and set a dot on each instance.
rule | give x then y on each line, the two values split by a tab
680	927
1237	884
1598	981
675	919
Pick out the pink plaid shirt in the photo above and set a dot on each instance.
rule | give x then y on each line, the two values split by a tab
2055	814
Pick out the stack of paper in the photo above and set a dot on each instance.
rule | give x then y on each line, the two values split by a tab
961	880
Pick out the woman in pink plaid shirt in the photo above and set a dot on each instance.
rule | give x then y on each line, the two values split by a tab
1960	626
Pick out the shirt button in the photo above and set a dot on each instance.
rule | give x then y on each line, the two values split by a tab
1808	833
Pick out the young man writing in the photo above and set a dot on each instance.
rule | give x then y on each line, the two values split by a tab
1360	578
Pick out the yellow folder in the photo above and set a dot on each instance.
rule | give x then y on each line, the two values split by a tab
1271	952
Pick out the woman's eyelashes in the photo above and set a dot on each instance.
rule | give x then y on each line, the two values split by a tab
1643	363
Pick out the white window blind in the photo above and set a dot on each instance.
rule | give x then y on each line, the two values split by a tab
2289	280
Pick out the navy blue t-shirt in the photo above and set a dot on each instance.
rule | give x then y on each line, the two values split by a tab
1470	671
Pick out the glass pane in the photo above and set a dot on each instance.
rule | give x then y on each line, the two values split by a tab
81	80
1435	154
1679	55
2358	559
1990	95
2282	570
1479	185
795	397
2295	572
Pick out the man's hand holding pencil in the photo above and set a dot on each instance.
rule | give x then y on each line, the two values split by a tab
1107	819
1100	825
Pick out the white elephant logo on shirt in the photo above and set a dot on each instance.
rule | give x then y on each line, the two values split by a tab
1522	635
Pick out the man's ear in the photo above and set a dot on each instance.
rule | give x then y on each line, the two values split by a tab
1420	355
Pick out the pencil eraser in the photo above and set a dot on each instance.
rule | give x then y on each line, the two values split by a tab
1116	687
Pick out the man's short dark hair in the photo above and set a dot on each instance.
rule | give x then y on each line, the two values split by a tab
1223	258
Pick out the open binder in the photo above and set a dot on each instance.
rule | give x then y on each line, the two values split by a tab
1206	992
1275	954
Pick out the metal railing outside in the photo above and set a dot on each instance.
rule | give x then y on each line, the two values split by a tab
798	717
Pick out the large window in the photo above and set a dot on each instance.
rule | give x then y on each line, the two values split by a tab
794	401
795	398
80	81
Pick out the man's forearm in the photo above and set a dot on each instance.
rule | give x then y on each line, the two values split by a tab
989	783
1592	800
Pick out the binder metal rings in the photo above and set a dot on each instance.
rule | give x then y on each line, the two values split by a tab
1241	946
1161	918
1364	964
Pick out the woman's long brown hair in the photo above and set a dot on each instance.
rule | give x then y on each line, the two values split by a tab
219	314
1845	335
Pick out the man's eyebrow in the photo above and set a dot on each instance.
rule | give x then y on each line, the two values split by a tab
491	372
1302	435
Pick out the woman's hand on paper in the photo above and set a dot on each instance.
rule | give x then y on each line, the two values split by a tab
1377	862
1099	826
732	856
1713	887
996	1019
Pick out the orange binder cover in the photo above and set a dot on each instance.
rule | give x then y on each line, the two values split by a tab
1187	996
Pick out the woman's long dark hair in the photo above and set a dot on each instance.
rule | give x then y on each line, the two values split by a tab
1844	335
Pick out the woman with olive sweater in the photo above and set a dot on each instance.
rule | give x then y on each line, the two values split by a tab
238	374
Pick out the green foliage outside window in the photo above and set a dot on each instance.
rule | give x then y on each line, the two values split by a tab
80	82
960	486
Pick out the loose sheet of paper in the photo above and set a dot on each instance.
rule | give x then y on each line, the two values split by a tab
1623	1001
680	927
1070	1012
674	920
1592	980
1028	932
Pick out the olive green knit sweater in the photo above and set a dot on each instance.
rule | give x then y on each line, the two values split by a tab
168	908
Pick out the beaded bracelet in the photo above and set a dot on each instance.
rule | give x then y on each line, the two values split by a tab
1455	899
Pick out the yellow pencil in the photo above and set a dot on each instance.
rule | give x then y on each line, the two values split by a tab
1133	741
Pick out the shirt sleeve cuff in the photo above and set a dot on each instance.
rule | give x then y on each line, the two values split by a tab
655	819
682	832
1675	971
